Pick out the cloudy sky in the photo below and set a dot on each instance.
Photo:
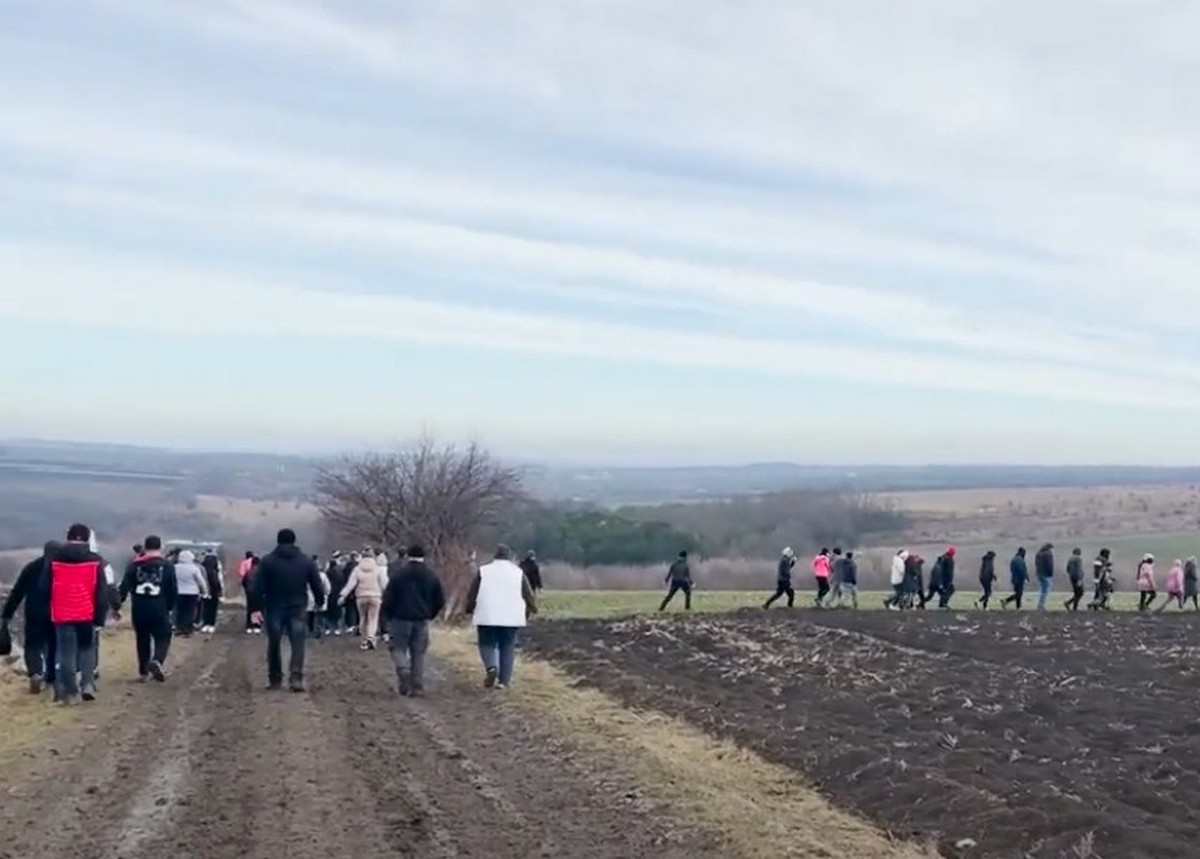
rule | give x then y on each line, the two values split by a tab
618	231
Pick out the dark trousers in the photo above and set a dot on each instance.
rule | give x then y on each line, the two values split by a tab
351	613
945	592
1017	595
209	610
315	621
1146	599
497	649
185	613
822	590
986	597
783	589
152	632
1077	592
290	622
250	624
41	649
333	615
77	646
408	645
675	588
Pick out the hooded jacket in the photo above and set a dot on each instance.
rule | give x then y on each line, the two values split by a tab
77	585
1145	575
898	564
1043	562
414	592
212	575
822	567
1018	569
283	581
786	562
32	588
1175	579
1075	568
987	569
190	579
150	579
533	573
1189	574
368	580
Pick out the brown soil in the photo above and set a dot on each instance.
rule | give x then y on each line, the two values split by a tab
1039	738
212	765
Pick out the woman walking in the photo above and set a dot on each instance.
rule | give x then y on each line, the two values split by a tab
368	580
1174	586
822	568
1147	591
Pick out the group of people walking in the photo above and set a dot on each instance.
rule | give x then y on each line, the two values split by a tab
70	592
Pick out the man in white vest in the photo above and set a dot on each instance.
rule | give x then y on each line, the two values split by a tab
500	601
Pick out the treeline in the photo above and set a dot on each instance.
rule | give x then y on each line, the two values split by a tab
749	527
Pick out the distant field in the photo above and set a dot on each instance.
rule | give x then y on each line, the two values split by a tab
605	604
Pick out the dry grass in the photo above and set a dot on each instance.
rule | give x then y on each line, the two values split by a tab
757	810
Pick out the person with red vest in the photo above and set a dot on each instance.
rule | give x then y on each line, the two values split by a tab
78	606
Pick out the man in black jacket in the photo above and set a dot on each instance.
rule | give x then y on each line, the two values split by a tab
679	577
149	582
1075	574
33	589
533	573
337	581
279	593
412	599
210	607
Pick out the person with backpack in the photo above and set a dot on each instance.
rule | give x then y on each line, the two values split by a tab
783	579
1075	576
149	583
679	578
79	600
1102	575
32	589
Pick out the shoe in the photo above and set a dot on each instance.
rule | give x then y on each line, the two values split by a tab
156	671
489	681
370	644
416	692
142	678
274	685
337	633
502	686
36	685
366	645
88	693
67	701
296	686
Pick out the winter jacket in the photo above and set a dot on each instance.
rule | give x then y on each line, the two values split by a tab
500	595
190	579
32	588
337	581
1102	573
1018	569
414	592
150	577
822	567
1175	580
850	572
77	585
368	580
784	573
987	569
1189	577
1145	576
283	580
244	568
898	564
532	572
680	573
946	562
1043	563
313	604
1075	569
212	576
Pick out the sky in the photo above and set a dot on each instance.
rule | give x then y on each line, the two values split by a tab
627	232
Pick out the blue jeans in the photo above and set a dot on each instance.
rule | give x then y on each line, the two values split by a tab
497	648
77	645
291	623
1043	592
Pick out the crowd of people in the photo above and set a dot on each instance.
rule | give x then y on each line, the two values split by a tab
835	576
70	592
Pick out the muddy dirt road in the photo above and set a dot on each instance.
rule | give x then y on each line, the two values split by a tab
213	765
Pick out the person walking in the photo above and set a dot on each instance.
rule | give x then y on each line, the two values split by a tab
533	572
367	581
350	614
192	586
1018	570
245	570
783	579
279	591
78	608
1174	586
412	599
679	578
835	578
149	582
1191	588
337	581
32	589
1043	566
850	579
215	588
500	602
1147	589
941	580
987	579
1075	576
897	579
317	610
1102	575
822	569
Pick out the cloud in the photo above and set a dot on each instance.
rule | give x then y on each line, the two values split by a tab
932	198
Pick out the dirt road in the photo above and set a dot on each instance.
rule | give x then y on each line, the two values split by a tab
213	765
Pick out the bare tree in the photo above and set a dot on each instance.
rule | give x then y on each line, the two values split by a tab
440	495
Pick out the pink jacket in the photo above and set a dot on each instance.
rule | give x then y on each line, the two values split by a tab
820	566
1145	576
1175	581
